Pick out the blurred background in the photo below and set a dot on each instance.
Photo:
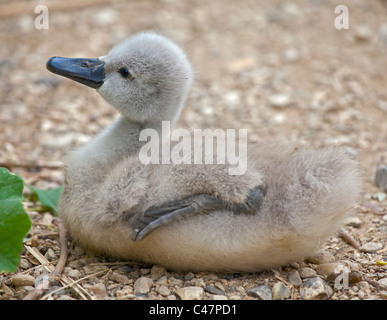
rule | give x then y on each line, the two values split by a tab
280	69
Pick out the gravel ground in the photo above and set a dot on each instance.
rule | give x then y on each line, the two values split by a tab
277	68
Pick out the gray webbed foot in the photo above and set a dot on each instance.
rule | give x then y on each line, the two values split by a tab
145	222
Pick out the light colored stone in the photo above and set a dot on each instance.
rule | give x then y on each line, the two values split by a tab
240	289
353	222
142	285
210	276
383	294
175	281
294	278
306	272
190	293
50	255
163	290
328	268
219	297
7	291
200	283
23	280
280	291
98	289
121	278
383	283
157	272
315	289
162	281
219	286
279	100
75	274
260	292
291	55
25	264
371	247
321	257
363	32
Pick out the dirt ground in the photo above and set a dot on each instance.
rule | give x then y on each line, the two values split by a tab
277	68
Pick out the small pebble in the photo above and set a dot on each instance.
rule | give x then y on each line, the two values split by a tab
260	292
294	265
213	290
7	291
315	289
157	272
219	286
163	290
142	285
371	247
294	278
175	281
125	269
381	196
383	283
189	276
279	100
321	257
50	255
353	222
75	274
145	271
363	33
190	293
363	285
328	268
306	273
210	276
199	283
98	289
280	291
361	294
162	281
90	269
23	280
291	55
121	278
25	264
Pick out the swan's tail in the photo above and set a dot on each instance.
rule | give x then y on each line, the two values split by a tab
313	190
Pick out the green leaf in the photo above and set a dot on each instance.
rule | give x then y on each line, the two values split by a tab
49	198
14	220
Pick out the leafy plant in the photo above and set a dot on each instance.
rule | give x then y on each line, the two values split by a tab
49	198
14	220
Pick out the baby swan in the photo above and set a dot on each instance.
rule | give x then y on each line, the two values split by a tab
191	216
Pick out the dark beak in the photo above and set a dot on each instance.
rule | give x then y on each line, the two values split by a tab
87	71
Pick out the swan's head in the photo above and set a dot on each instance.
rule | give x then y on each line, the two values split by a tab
146	77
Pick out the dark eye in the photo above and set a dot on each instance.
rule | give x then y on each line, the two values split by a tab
124	72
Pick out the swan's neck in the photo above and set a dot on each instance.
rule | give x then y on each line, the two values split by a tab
118	140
